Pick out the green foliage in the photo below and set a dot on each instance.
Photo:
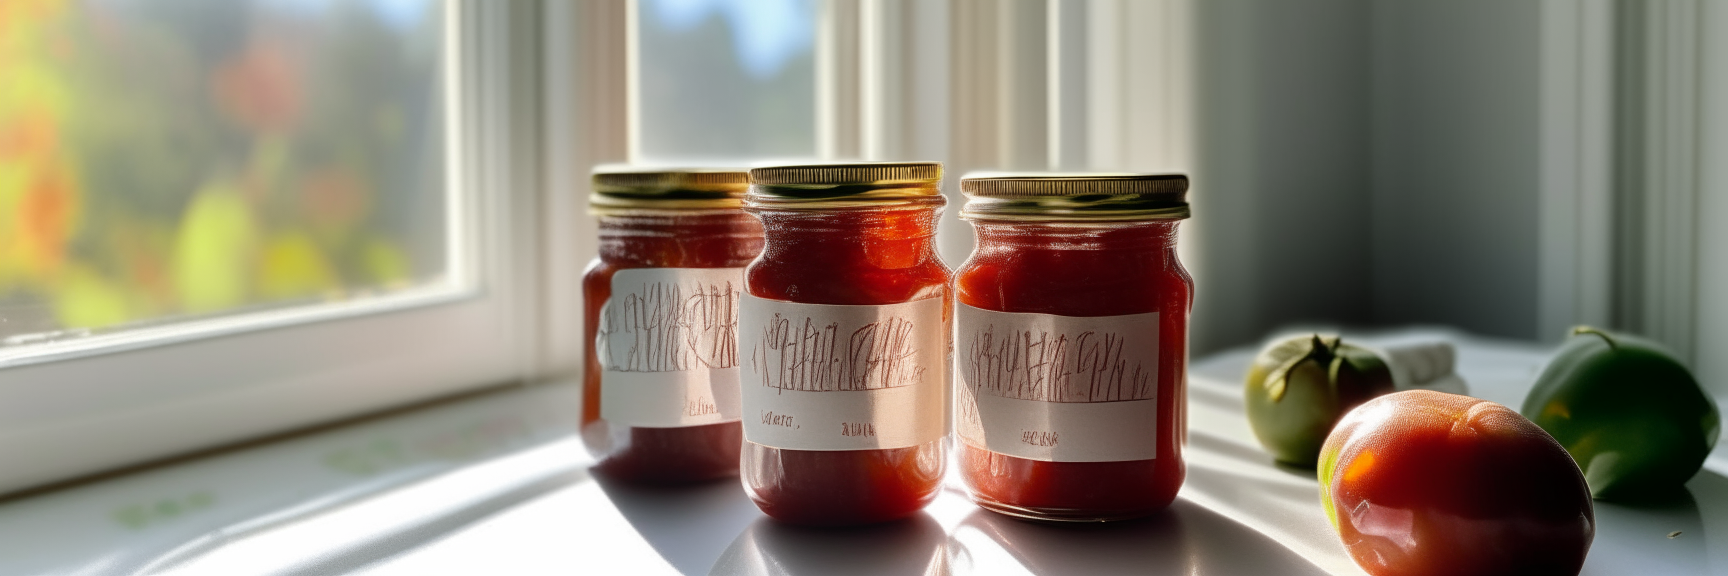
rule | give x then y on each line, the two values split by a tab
195	156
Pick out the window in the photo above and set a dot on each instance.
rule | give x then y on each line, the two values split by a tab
359	183
165	161
726	79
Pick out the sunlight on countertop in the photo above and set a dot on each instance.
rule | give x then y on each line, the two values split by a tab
500	483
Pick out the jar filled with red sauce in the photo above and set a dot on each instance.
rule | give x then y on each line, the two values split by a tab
660	390
1071	344
844	343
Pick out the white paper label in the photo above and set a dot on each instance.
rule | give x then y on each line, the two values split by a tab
1058	388
829	377
667	345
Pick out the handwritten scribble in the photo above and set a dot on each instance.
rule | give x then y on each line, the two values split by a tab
1055	367
800	353
670	327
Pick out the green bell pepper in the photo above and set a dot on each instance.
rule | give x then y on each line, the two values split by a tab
1633	418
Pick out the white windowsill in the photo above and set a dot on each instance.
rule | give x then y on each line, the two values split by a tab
499	484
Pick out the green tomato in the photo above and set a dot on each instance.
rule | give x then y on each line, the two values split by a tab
1298	388
1634	418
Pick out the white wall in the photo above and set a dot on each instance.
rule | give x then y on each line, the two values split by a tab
1508	168
1456	159
1281	184
1367	162
1712	321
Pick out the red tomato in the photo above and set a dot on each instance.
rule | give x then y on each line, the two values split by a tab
1422	482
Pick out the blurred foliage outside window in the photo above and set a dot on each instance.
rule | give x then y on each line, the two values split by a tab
166	159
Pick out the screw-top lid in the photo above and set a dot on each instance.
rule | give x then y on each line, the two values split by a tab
845	185
1100	197
625	187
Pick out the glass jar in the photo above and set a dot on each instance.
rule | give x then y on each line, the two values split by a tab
844	341
660	391
1071	345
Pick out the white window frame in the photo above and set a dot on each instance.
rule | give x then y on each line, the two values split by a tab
588	120
82	406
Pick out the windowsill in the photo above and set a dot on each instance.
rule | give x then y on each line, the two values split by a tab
499	484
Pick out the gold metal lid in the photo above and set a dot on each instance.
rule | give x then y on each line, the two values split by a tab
1082	197
624	187
845	185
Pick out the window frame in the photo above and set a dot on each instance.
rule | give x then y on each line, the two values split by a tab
74	408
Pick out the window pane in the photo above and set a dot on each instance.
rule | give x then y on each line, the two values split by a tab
168	159
727	79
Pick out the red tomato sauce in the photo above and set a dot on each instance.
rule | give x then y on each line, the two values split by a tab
1092	270
669	240
847	256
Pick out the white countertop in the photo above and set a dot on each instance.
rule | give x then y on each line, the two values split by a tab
499	484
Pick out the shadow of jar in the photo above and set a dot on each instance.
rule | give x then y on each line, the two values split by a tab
770	548
687	524
1185	538
991	543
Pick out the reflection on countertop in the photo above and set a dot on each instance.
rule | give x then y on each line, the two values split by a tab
500	484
